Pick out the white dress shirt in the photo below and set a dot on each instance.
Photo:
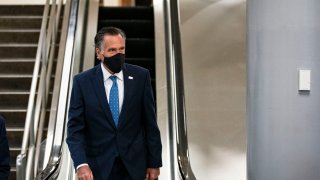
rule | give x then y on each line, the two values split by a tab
107	85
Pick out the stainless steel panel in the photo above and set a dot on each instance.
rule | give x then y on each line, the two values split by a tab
214	60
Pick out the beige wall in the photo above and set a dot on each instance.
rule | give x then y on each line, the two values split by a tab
118	2
111	2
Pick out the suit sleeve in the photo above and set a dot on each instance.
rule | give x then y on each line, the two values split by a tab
76	126
4	152
154	147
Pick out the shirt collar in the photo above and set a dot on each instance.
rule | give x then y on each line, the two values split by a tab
106	74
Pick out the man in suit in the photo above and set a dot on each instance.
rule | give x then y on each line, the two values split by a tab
4	151
112	128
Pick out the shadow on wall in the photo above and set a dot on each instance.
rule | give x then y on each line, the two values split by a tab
214	51
190	8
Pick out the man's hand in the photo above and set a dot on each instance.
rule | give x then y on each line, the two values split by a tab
84	173
152	173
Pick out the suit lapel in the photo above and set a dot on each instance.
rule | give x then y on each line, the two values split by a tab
101	93
128	86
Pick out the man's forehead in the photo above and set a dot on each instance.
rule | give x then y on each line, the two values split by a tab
112	37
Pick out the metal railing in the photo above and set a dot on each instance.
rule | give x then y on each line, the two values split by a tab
57	119
179	152
60	165
38	98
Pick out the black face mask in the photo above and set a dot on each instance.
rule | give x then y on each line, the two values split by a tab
115	62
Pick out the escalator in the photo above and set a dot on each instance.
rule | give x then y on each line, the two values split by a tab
153	43
19	35
138	25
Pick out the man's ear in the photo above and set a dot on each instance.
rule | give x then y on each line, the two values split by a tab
98	53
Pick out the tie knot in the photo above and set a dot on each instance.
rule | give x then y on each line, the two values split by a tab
113	78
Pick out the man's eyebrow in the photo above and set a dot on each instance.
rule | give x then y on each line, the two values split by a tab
111	49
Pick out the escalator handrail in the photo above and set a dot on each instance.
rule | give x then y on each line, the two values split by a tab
176	98
38	92
55	151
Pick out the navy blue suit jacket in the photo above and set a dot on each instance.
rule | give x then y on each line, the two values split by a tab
92	136
4	151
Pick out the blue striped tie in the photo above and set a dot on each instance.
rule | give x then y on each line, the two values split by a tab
114	100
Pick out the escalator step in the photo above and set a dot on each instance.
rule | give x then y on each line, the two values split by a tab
140	48
138	24
15	137
132	28
17	118
12	174
143	2
18	100
20	50
20	22
147	63
126	13
16	67
20	36
14	153
18	82
14	118
21	10
19	67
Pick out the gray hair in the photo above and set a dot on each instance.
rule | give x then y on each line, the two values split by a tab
113	31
